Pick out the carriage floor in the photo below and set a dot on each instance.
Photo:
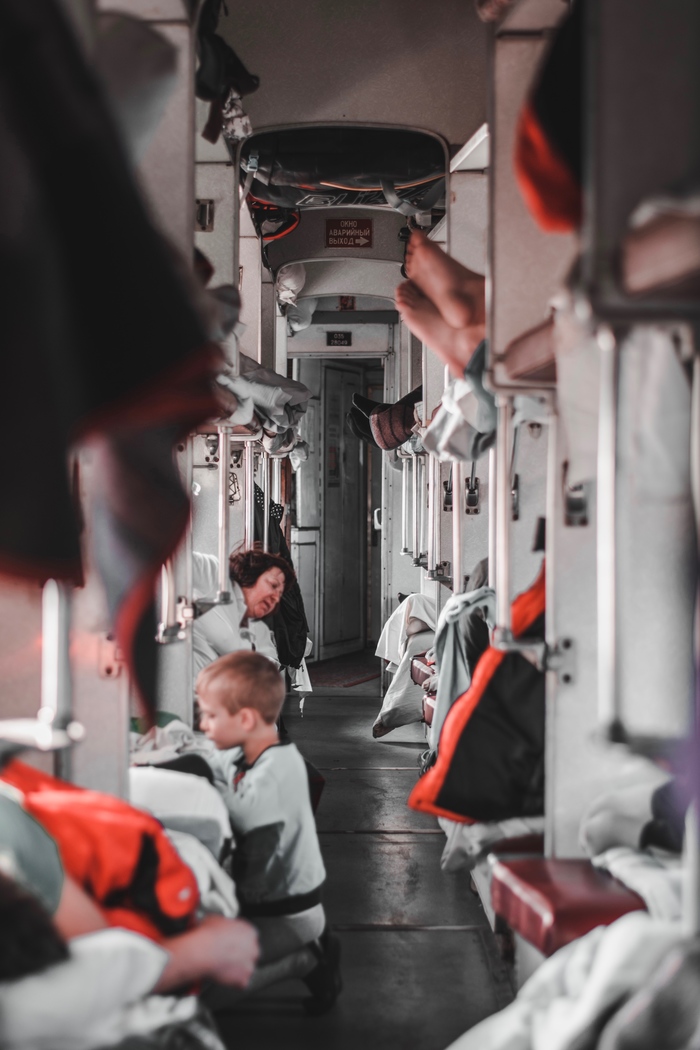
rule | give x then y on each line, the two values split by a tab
419	961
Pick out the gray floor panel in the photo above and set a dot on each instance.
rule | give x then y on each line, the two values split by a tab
395	880
419	961
369	799
337	731
407	990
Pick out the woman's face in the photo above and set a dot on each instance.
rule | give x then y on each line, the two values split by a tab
264	596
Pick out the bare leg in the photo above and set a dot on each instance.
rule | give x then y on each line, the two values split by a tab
458	293
453	346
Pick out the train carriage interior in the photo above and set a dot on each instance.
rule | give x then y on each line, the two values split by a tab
349	547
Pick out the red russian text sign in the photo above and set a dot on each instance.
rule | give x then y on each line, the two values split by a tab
348	233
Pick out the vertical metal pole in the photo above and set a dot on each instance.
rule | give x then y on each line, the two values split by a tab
249	530
503	515
422	493
404	506
224	593
277	480
56	678
431	514
457	502
416	509
266	501
188	701
608	697
492	517
437	513
691	858
168	600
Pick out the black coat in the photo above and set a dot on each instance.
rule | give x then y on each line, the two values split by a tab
288	623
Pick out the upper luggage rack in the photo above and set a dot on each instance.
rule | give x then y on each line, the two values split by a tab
285	171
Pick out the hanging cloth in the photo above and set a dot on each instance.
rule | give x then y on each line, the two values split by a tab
101	337
490	763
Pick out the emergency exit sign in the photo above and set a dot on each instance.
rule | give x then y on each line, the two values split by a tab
348	233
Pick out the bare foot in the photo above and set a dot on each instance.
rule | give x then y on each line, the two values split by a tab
458	293
453	346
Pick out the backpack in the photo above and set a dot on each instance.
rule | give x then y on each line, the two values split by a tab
120	855
490	760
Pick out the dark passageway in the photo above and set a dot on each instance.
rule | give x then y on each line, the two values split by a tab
419	965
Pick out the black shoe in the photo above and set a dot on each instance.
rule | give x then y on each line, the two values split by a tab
366	406
324	982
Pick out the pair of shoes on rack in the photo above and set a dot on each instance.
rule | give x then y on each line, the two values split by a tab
383	425
324	982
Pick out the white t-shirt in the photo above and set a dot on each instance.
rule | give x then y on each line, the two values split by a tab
277	853
219	631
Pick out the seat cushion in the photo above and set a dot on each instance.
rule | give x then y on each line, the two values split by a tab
552	902
420	670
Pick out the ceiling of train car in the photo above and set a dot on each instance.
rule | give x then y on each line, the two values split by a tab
363	62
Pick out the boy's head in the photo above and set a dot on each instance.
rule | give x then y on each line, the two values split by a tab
239	695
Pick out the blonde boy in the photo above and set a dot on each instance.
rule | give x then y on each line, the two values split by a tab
277	867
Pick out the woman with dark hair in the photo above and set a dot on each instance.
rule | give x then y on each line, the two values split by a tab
258	581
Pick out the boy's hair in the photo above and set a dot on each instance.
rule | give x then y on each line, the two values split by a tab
248	680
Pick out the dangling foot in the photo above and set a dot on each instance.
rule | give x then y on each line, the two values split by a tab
324	982
453	346
379	729
458	293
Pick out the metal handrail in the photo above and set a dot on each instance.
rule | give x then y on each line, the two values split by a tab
405	467
609	715
266	499
249	525
457	517
223	596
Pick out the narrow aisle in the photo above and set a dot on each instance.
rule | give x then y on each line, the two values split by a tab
419	964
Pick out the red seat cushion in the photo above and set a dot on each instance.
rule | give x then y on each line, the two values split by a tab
420	670
429	708
552	902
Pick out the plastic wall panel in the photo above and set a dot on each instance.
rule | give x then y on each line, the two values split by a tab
366	339
250	288
167	167
644	141
20	648
469	216
580	765
656	538
388	63
527	265
205	512
215	182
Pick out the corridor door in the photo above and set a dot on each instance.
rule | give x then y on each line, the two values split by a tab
343	583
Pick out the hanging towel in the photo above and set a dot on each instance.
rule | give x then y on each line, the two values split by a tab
461	637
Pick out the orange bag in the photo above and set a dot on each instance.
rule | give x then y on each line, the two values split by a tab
120	855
